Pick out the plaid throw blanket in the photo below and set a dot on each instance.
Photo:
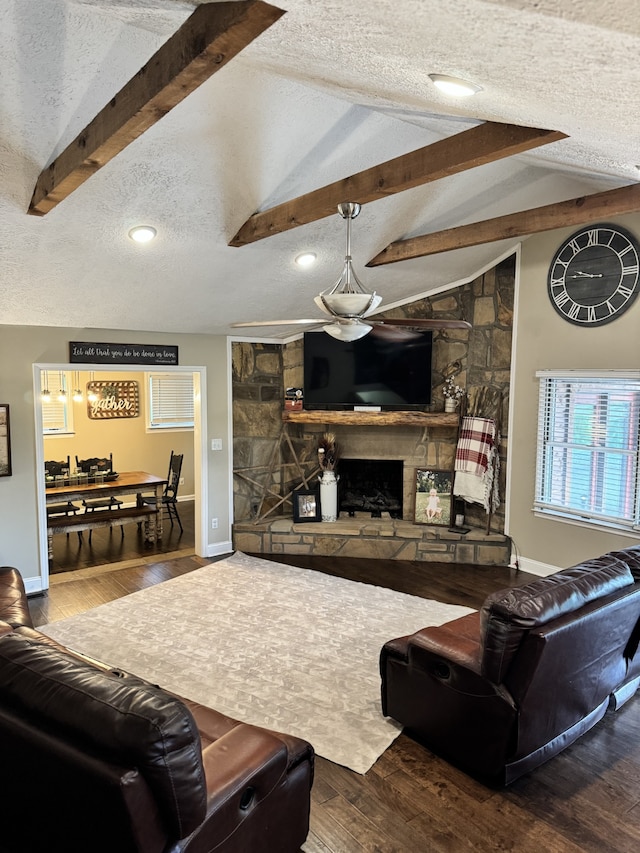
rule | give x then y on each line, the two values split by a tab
476	445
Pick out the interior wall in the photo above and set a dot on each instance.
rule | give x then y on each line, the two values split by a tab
544	340
23	346
132	446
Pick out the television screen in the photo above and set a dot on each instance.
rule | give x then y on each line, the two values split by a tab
389	367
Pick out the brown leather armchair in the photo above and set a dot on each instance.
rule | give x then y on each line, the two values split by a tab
502	690
98	760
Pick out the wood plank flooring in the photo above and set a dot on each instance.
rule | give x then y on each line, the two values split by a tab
110	545
585	799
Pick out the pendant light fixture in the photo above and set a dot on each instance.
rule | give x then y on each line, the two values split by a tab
77	394
62	393
91	394
46	394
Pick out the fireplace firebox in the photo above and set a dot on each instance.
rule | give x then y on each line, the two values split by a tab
370	485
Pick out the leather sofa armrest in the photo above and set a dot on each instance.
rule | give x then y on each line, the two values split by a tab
261	755
14	607
242	768
444	643
457	641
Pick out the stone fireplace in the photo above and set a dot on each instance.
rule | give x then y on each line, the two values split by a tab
271	458
371	486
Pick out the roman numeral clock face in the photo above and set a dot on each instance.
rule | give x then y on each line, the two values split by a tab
594	276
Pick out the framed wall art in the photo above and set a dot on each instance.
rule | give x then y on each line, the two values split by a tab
433	498
5	441
306	506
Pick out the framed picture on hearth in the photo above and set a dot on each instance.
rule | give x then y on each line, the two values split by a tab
5	441
433	497
306	505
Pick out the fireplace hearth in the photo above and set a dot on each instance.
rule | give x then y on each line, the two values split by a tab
370	486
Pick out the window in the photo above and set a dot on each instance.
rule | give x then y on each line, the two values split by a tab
170	401
57	409
588	447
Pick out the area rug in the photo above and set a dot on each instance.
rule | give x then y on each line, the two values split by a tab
285	648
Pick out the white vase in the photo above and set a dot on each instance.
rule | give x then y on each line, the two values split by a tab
329	496
450	404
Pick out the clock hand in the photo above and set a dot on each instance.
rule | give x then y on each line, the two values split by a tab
580	274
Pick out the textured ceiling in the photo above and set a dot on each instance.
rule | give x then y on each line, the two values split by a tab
330	89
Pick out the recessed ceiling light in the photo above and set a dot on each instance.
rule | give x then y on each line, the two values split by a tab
142	233
306	259
454	85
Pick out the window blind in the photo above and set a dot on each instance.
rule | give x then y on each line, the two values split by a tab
56	413
588	448
171	400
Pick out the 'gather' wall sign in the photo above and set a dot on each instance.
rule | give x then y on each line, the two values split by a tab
107	399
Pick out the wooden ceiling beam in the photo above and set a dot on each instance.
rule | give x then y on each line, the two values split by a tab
482	144
562	214
209	38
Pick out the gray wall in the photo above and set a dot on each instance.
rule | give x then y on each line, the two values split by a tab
543	340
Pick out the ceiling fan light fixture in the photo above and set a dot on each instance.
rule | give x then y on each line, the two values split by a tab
142	233
347	299
306	259
454	86
348	304
349	331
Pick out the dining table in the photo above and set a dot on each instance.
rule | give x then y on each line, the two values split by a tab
79	488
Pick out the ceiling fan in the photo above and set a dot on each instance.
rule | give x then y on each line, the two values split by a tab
348	303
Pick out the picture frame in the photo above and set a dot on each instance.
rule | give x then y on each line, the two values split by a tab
306	505
5	441
433	497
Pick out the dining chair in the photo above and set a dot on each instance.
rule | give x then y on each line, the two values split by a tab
53	468
170	494
104	465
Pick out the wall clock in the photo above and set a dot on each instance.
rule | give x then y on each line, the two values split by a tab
595	275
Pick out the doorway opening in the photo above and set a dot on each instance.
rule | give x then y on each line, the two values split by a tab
107	439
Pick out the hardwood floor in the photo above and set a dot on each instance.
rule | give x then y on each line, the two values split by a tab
109	545
585	799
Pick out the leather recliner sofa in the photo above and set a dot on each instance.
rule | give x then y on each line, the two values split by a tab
94	759
501	690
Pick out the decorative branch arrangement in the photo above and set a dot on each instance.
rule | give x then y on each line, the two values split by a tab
328	452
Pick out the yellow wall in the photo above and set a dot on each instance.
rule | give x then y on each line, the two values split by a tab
133	448
544	340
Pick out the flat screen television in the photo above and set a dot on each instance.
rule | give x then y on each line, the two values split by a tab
387	368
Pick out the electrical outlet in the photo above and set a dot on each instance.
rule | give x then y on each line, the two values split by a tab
181	481
214	523
216	444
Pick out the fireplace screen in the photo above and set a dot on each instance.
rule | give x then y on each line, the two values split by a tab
370	486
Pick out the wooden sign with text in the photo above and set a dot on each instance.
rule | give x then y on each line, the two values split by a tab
83	352
112	400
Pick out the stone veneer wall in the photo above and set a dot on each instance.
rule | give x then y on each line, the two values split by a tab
265	469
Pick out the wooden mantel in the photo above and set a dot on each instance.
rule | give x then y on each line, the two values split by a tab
419	419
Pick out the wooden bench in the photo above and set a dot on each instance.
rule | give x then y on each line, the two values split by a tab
104	518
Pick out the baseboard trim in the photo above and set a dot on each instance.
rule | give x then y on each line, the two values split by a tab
219	549
536	568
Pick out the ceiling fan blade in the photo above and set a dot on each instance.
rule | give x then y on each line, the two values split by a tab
279	323
421	324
